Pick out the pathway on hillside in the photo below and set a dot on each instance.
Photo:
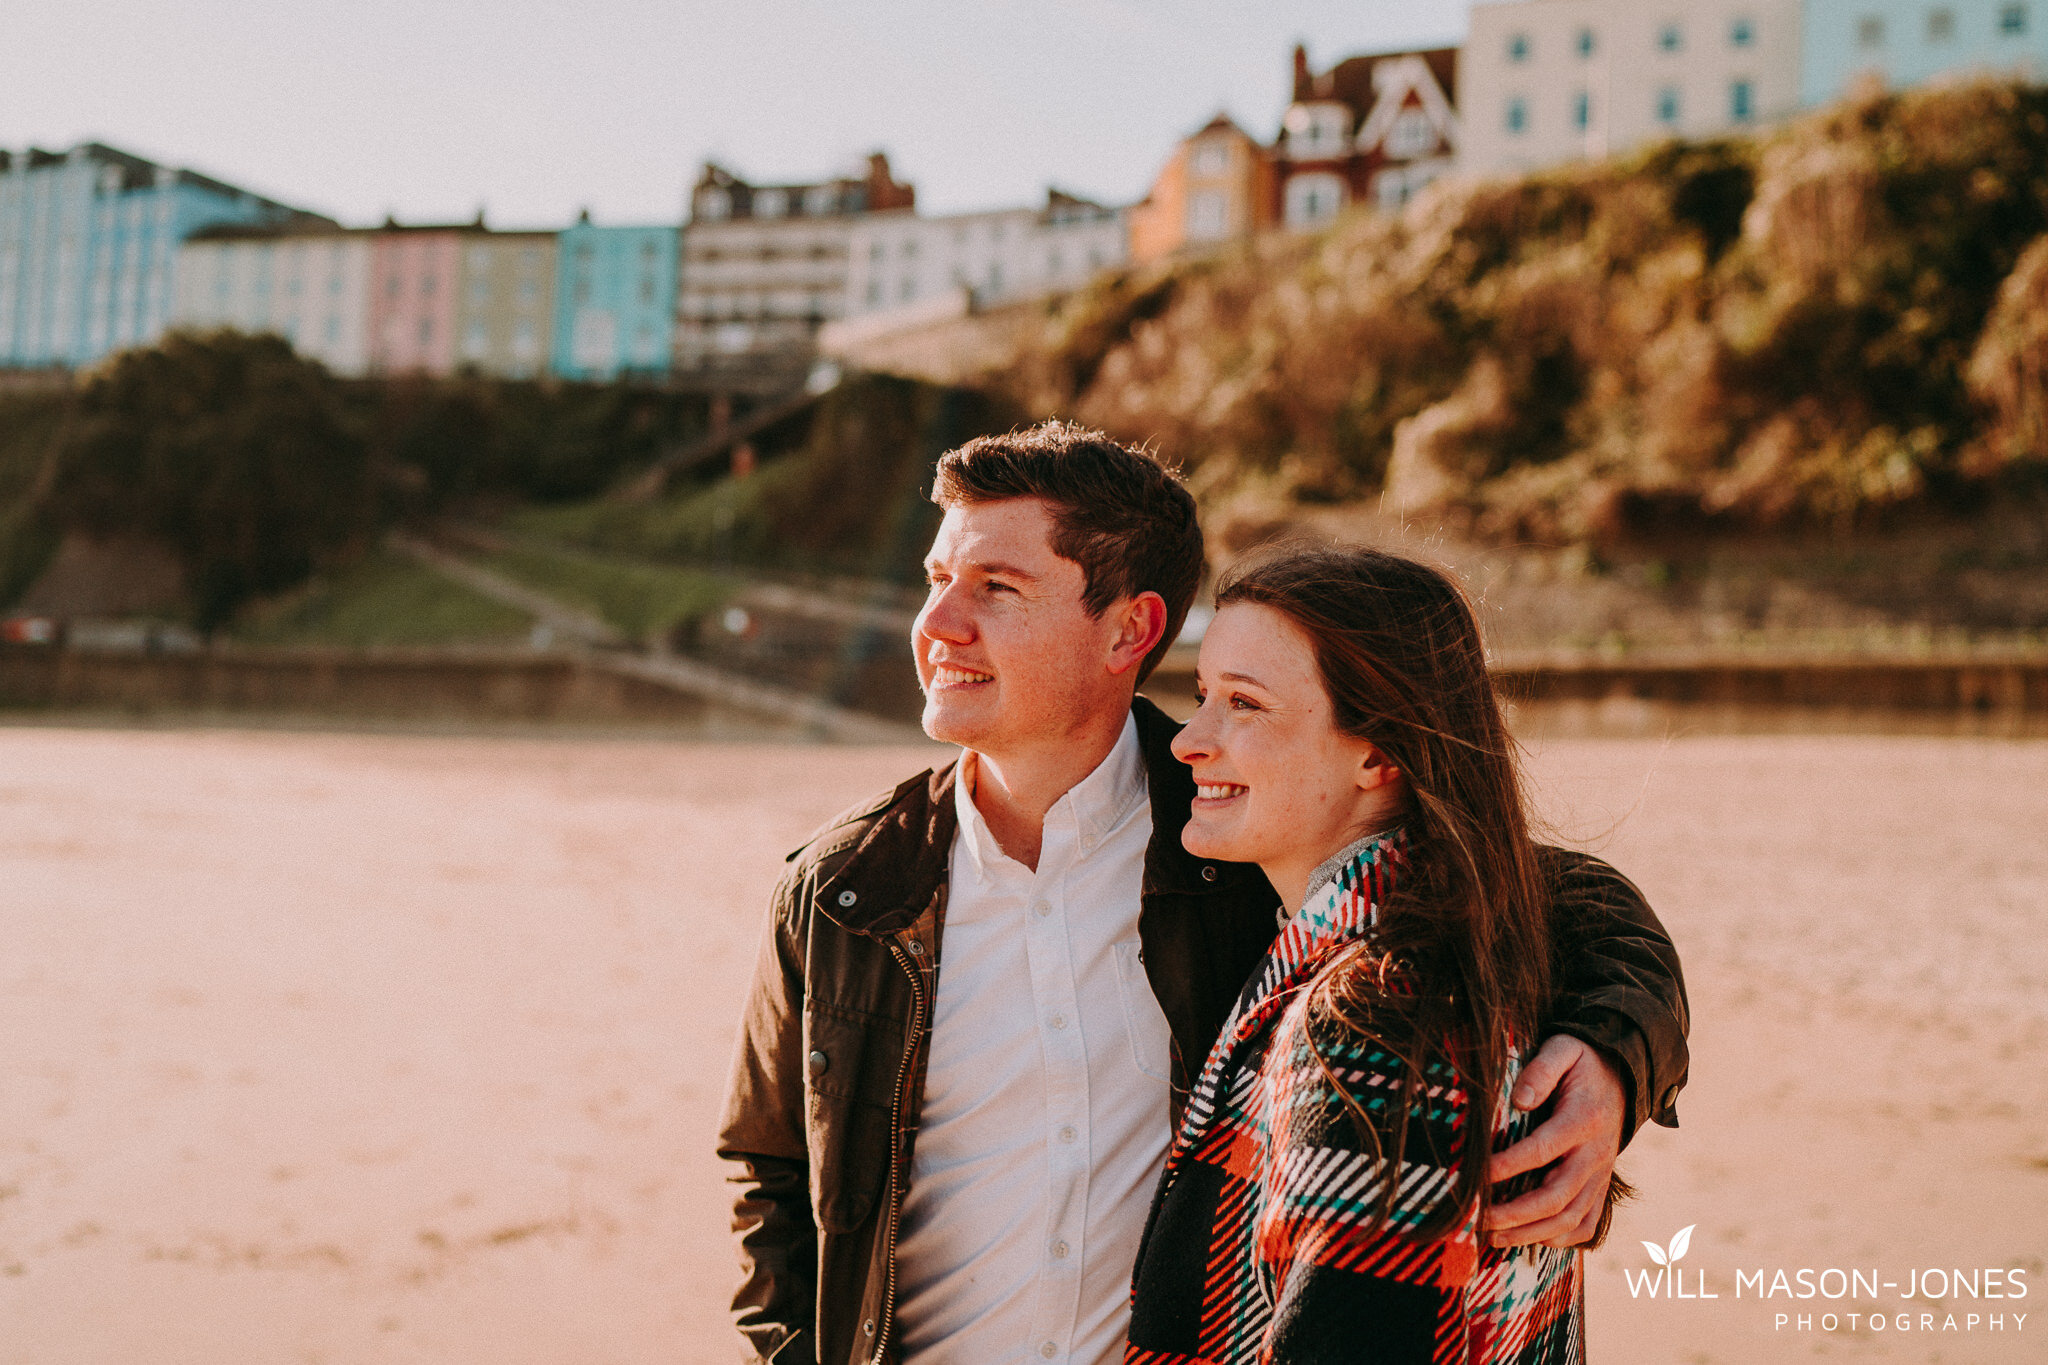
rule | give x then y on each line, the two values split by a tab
584	629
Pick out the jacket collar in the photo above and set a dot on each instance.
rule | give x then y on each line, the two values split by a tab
880	881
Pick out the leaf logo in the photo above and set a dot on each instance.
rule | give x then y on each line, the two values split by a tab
1676	1252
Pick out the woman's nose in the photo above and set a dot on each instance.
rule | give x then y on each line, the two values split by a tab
1194	740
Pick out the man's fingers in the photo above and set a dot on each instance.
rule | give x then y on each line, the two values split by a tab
1575	1224
1548	1200
1546	1068
1549	1142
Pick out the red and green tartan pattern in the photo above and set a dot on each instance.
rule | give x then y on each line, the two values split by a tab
1265	1244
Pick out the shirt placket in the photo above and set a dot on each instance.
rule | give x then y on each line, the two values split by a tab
1056	1008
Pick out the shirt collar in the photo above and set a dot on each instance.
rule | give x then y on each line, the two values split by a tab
1098	803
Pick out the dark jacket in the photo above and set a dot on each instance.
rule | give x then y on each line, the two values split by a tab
821	1110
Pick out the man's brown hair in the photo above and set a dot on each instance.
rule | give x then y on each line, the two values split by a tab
1116	511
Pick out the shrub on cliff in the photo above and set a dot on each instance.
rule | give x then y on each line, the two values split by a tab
228	449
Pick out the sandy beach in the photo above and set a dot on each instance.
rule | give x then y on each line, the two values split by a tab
371	1048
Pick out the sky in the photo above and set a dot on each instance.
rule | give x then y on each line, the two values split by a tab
535	109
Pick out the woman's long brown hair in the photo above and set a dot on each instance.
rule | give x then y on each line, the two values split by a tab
1459	963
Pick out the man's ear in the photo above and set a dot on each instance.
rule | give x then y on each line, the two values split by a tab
1141	621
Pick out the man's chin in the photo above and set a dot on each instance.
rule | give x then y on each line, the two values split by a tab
950	722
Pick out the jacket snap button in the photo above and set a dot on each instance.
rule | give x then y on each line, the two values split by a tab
1208	874
819	1063
916	948
868	1327
847	898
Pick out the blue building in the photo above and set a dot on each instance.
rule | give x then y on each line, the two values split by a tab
1907	42
615	300
88	242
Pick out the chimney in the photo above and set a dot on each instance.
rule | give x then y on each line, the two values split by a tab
1302	79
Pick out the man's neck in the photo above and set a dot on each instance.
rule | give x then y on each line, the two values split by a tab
1014	791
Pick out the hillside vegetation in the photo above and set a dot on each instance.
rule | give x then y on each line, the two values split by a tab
1843	317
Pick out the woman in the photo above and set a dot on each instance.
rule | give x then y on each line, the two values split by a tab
1322	1199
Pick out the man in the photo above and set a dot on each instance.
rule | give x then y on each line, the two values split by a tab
953	1166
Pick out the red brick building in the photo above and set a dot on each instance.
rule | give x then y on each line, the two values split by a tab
1372	129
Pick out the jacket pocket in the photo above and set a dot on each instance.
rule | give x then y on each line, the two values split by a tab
1144	1021
850	1065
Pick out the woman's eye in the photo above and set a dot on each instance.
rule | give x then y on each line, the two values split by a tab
1243	704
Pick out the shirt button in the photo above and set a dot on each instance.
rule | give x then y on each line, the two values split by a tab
1042	909
1067	1134
1059	1021
1049	1350
1059	1251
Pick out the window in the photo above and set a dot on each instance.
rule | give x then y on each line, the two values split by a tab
1208	216
1941	25
771	203
1413	135
820	200
1585	42
1667	104
1518	115
1870	31
908	290
1212	157
2012	20
874	293
713	204
1582	110
1741	102
1670	38
1518	47
1742	33
1313	200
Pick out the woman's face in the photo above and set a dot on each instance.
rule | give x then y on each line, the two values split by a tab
1277	783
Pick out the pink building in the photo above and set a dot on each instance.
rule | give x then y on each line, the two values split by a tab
415	295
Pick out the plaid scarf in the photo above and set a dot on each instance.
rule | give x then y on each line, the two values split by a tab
1264	1243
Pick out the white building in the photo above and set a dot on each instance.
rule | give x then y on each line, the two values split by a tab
899	261
311	288
764	267
1908	42
1547	81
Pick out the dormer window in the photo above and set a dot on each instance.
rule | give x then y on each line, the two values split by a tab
714	204
771	203
820	200
1212	157
1316	131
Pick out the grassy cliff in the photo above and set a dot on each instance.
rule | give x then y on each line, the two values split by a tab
1841	318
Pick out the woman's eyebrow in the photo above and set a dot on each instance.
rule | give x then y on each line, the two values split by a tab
1241	677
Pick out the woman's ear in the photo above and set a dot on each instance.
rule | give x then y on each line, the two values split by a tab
1375	769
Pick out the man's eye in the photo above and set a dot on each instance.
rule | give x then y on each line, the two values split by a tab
1000	587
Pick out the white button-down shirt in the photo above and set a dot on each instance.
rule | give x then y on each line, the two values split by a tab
1045	1123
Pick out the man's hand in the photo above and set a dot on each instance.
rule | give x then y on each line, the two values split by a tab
1584	1129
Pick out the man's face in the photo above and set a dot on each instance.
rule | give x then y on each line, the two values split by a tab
1008	656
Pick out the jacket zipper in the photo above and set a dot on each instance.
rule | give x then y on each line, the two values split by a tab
896	1147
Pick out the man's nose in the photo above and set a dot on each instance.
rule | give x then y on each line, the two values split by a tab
943	619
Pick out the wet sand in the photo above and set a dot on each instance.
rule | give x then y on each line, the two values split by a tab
348	1048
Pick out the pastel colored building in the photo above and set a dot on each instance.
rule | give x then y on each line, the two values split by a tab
1372	129
89	248
1906	42
899	261
1217	186
615	300
765	267
415	288
505	309
309	286
1548	81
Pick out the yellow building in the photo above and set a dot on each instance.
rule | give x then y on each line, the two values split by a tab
1218	186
